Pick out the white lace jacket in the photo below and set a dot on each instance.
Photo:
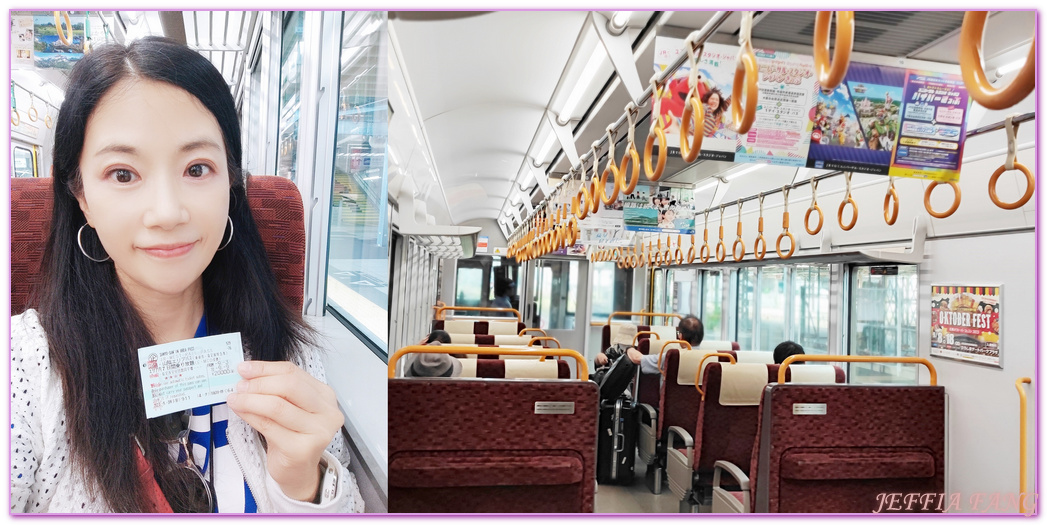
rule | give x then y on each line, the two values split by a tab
43	478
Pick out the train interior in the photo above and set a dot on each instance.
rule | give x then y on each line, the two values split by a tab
497	120
278	65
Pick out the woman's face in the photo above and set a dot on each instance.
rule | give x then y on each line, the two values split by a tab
713	101
155	185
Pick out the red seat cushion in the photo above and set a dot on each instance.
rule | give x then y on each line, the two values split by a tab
857	464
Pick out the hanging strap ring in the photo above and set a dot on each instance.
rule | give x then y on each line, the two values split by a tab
1011	164
955	203
978	85
746	76
814	207
760	244
657	131
721	248
830	74
16	119
890	215
66	35
580	202
847	200
693	110
631	158
611	171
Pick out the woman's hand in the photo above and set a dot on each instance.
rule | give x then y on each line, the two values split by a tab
297	414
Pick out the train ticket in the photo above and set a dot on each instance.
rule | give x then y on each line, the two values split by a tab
186	374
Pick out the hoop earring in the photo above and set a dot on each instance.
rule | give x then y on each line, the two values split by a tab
222	247
80	243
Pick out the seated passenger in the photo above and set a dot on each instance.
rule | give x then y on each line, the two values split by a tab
440	336
433	365
690	329
504	289
786	349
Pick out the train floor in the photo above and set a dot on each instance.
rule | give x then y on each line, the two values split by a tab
635	497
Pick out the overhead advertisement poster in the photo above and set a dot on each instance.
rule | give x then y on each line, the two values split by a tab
49	51
965	323
659	210
21	41
856	125
782	129
717	76
781	133
933	127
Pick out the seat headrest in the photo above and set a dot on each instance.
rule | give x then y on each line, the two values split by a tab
742	384
462	339
754	356
810	373
665	333
716	346
531	369
468	367
515	340
457	326
503	328
689	365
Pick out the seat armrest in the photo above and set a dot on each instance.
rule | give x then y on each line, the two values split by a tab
648	412
688	441
724	501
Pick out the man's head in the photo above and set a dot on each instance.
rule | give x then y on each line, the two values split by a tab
691	330
504	287
439	336
786	349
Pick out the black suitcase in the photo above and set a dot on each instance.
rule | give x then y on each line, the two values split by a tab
616	445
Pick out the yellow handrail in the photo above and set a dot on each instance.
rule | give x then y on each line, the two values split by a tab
857	359
583	367
525	330
641	314
641	332
544	338
662	351
440	311
1023	443
701	365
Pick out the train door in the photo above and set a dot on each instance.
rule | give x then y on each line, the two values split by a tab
559	300
884	315
23	160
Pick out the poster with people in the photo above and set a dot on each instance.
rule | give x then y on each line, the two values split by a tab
21	41
855	126
659	210
965	323
716	69
49	51
933	127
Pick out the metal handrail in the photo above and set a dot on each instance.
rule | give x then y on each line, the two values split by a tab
857	359
583	367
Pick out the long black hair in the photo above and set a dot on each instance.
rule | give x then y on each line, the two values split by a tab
94	330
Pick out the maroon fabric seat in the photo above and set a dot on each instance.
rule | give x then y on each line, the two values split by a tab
679	405
275	204
458	445
871	440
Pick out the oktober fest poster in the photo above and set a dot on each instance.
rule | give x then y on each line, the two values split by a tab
965	323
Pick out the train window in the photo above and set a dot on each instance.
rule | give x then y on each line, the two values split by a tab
358	248
22	161
884	311
809	323
556	292
712	304
682	292
746	308
290	87
658	292
469	284
612	290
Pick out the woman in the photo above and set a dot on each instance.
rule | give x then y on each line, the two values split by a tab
152	241
715	106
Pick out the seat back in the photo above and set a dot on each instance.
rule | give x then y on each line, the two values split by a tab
275	204
835	448
679	401
729	414
506	446
478	327
516	368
